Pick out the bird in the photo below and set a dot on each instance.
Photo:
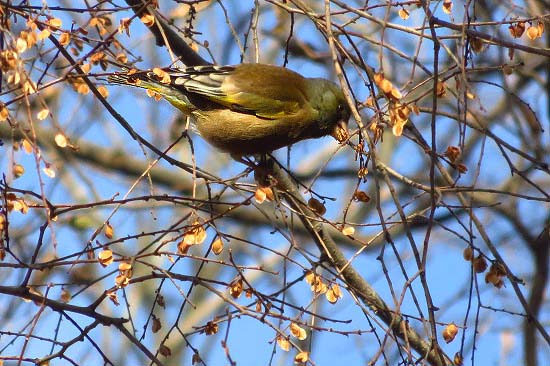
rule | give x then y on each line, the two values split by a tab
249	108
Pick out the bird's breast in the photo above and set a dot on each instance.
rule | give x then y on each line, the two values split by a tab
246	134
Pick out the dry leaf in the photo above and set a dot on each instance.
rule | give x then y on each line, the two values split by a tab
48	170
348	230
126	269
109	231
477	44
361	196
318	286
453	153
399	116
105	257
121	281
283	343
30	23
103	91
156	325
403	14
4	113
27	146
236	288
55	23
148	20
165	350
301	357
262	194
43	114
32	39
65	296
450	332
268	193
517	30
533	32
111	294
29	87
124	26
211	328
183	248
122	58
461	168
65	38
334	294
34	291
217	246
495	274
196	358
310	277
45	33
196	235
298	331
468	254
447	6
83	89
162	76
316	206
507	70
151	93
21	45
20	205
18	170
259	196
441	89
61	140
86	67
386	86
395	94
480	264
458	360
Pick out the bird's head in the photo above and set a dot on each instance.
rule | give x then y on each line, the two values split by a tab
333	110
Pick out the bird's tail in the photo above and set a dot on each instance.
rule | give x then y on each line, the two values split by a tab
155	85
121	78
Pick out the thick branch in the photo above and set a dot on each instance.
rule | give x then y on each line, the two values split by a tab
541	253
166	36
24	293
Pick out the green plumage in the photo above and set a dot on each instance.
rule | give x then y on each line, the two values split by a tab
248	108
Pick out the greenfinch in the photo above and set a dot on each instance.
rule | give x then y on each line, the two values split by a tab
248	109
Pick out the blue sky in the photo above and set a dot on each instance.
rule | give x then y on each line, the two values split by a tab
251	342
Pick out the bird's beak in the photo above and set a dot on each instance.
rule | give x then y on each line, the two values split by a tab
340	131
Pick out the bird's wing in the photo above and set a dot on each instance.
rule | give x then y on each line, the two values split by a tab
266	95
